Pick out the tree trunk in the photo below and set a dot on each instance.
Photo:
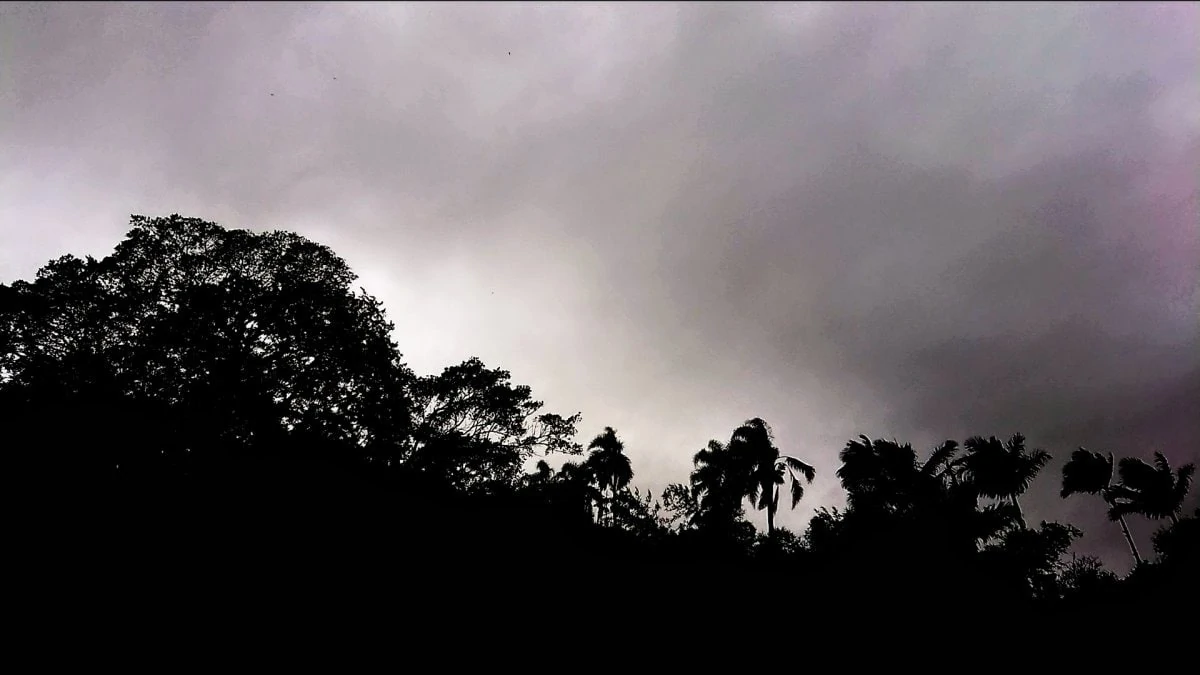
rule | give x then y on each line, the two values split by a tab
1137	558
771	513
1020	512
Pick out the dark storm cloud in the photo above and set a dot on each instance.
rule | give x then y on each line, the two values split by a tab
920	221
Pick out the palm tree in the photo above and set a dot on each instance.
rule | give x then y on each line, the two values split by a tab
879	475
765	469
1153	491
577	479
888	486
543	472
715	486
1091	473
1002	470
609	463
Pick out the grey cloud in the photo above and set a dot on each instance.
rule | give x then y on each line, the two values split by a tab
911	220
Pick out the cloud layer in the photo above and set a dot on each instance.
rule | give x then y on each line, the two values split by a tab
909	220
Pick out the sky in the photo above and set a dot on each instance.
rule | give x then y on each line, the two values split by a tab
912	221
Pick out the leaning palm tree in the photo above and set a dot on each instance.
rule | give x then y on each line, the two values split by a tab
609	464
880	476
1002	470
1152	491
1091	473
765	469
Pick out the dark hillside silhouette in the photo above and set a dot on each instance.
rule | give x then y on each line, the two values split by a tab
214	404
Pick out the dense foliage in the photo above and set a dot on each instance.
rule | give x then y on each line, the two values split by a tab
205	395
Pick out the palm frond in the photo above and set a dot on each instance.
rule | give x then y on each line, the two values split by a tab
798	467
854	454
994	518
606	440
941	456
753	494
1016	443
1151	490
1136	473
759	425
1183	481
766	498
797	492
708	453
974	443
1120	491
1038	459
1161	463
1086	472
1119	509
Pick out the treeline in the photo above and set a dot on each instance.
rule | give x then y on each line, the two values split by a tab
220	399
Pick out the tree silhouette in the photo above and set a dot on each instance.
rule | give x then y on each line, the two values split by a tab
542	473
765	469
609	465
1178	546
879	476
1002	470
578	481
476	429
1084	578
1153	491
1030	558
235	339
204	394
886	485
640	514
718	485
1091	473
681	504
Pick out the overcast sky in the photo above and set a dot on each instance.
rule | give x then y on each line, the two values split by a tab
905	220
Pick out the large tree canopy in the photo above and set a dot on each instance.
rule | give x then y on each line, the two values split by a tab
228	335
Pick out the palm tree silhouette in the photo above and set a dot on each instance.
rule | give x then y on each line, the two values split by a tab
578	479
715	486
753	446
1091	473
542	474
1002	470
886	484
609	465
879	476
1152	491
